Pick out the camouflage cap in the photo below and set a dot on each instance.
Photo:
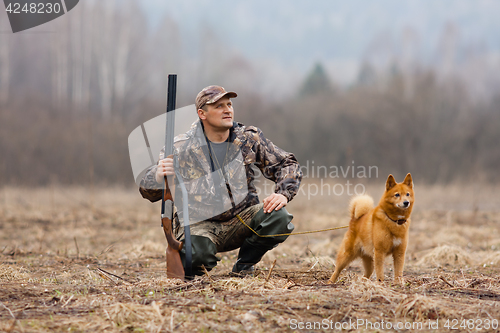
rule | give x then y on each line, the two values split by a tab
212	94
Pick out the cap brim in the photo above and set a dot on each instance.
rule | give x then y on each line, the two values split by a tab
230	94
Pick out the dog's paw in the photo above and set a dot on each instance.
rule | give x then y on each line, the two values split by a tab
399	280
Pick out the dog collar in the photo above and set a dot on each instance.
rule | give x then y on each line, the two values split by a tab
399	222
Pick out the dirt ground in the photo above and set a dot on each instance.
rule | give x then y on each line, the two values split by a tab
80	260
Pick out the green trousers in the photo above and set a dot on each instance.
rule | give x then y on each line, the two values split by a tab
209	238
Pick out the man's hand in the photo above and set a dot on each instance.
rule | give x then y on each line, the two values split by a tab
274	201
165	168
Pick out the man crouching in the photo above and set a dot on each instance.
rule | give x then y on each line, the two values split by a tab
215	160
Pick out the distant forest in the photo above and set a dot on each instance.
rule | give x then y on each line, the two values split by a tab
69	101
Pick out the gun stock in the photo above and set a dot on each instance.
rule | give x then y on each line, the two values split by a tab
175	268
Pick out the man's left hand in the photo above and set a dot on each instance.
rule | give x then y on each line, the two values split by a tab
275	201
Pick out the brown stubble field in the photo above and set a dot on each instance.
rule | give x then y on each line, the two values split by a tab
72	259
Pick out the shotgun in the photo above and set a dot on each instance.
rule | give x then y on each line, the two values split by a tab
175	268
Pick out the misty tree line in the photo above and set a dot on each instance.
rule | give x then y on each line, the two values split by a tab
106	59
69	100
71	92
422	124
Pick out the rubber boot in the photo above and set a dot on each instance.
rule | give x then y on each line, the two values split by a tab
203	254
248	256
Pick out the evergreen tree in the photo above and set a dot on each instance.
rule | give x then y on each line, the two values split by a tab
317	82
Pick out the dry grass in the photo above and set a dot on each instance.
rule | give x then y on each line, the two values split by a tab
446	255
73	260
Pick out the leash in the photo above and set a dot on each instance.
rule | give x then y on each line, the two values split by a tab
288	234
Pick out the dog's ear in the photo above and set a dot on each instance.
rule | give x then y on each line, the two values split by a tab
390	183
408	180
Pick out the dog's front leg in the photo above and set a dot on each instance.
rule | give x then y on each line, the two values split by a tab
378	258
399	261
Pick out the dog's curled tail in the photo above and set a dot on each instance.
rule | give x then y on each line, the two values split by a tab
360	205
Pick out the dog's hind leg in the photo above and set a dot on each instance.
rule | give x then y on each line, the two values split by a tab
344	258
368	265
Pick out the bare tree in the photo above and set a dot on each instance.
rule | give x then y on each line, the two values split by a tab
123	46
4	68
60	64
104	54
87	47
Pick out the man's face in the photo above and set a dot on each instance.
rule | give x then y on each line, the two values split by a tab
218	115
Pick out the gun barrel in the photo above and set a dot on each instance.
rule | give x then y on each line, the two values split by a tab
169	132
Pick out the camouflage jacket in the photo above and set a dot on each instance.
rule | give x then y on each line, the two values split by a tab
249	147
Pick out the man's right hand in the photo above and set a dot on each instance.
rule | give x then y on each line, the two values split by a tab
165	168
